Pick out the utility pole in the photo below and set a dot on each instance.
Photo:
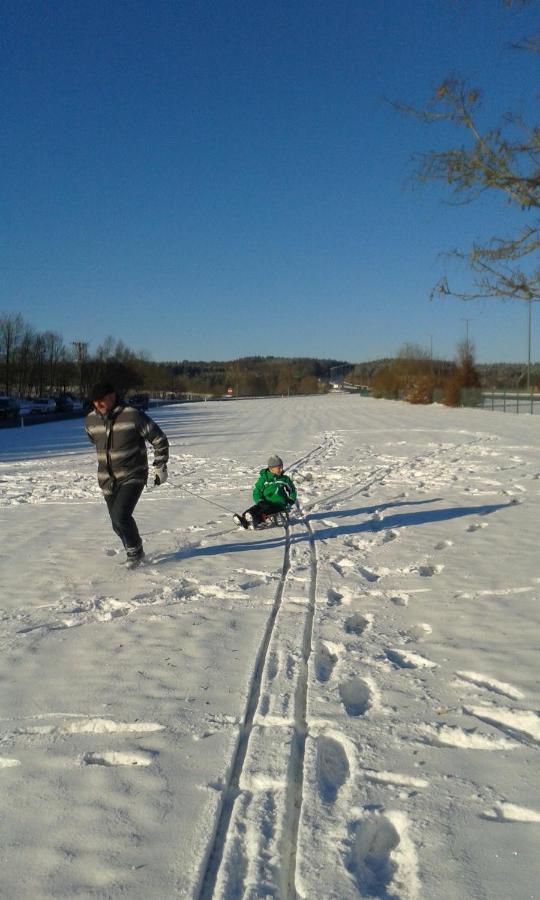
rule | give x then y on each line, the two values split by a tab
467	333
529	303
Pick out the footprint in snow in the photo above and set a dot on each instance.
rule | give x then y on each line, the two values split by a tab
357	624
406	660
117	758
333	598
491	684
343	566
476	526
464	738
91	726
400	599
417	632
509	812
517	723
325	659
395	778
443	545
356	696
427	570
333	768
368	574
370	859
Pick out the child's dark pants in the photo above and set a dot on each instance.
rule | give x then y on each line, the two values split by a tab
261	509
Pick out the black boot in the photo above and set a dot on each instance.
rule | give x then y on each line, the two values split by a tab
135	556
240	520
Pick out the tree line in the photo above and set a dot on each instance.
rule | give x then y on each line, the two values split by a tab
494	376
36	363
41	363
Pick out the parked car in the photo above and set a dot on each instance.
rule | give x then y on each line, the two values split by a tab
37	406
9	408
67	403
139	401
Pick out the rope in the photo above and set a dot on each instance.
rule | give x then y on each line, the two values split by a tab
212	502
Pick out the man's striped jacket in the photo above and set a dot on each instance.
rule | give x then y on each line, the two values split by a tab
120	441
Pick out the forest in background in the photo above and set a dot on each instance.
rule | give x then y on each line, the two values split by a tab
42	363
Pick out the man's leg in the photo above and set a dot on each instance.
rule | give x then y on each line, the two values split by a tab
121	505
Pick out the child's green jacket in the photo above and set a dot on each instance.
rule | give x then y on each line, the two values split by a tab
276	489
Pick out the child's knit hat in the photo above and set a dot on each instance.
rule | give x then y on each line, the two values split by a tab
275	460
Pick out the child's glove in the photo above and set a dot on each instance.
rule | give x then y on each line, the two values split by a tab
161	475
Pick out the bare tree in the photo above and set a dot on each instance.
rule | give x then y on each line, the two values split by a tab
54	350
504	160
11	328
24	359
105	350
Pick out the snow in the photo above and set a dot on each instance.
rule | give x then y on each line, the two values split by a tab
346	709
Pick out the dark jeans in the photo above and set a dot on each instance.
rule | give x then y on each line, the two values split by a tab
121	505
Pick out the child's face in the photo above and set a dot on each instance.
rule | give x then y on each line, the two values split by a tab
276	470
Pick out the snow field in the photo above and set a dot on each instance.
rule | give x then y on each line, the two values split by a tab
345	709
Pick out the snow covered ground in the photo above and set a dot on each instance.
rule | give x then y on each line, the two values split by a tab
345	709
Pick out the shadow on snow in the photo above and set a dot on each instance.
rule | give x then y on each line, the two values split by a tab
397	520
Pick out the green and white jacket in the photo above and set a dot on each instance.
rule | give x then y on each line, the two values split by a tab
120	441
276	489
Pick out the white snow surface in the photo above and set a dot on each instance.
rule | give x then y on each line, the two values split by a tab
346	708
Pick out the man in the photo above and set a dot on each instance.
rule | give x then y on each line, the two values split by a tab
119	432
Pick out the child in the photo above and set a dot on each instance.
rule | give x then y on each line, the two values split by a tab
273	493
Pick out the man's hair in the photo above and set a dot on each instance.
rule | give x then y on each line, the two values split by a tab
101	389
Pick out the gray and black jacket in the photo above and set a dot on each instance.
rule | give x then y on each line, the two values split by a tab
120	441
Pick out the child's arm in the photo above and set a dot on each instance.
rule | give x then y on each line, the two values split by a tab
292	492
258	488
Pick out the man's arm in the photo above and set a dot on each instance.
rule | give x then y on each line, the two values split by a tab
155	436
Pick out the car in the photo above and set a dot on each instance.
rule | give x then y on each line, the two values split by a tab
67	403
9	408
38	406
139	401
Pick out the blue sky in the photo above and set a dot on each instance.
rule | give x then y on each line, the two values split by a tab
212	180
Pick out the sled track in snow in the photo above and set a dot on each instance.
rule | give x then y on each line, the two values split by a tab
260	813
280	827
254	849
233	789
377	475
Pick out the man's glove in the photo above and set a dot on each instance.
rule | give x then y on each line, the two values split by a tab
161	475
